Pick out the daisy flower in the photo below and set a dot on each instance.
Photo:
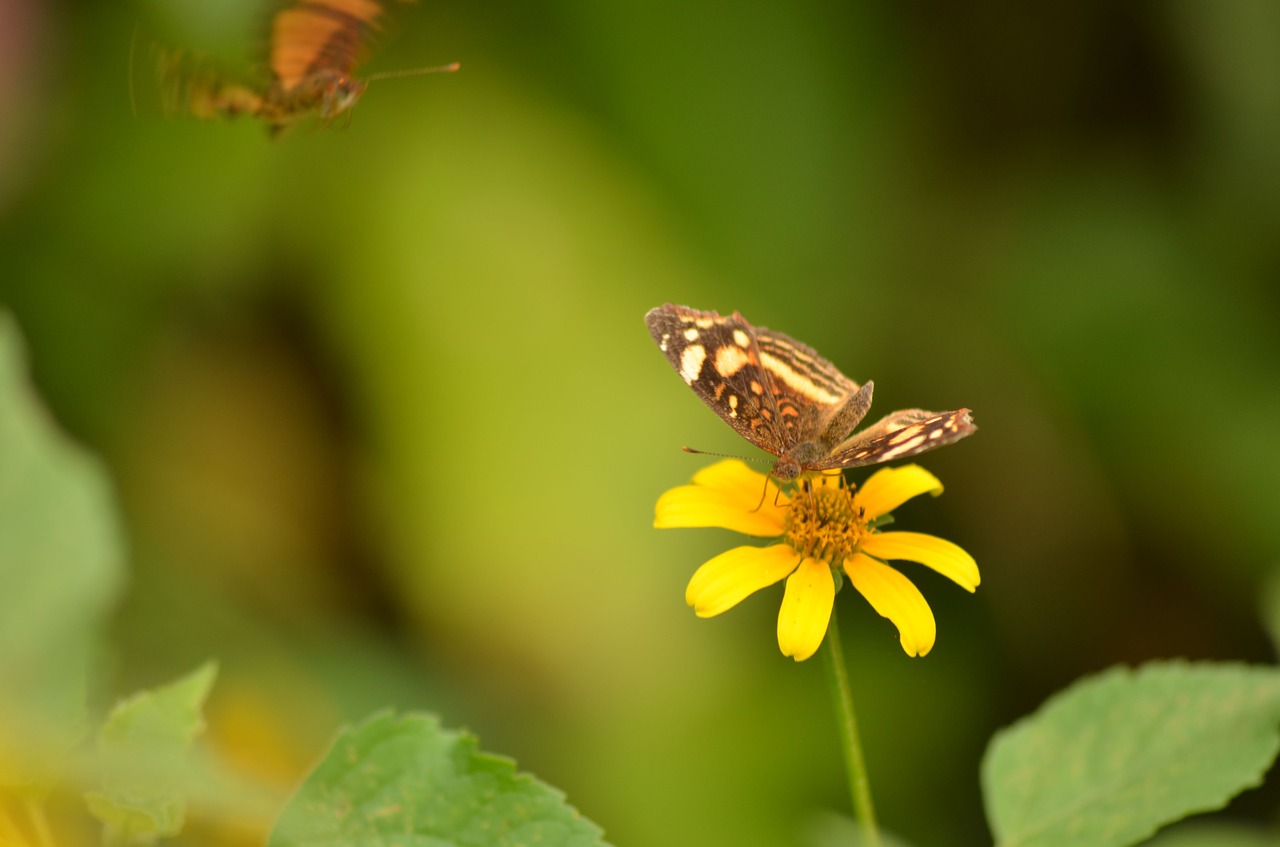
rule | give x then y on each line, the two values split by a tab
825	531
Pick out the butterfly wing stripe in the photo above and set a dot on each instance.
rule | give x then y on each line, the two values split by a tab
320	35
807	366
882	443
808	389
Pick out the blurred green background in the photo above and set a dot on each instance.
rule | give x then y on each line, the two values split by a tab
387	427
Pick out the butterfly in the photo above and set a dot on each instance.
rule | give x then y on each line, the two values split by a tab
786	399
315	47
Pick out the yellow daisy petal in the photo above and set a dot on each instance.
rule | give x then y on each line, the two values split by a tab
694	506
726	580
944	557
728	495
896	598
889	488
732	476
806	609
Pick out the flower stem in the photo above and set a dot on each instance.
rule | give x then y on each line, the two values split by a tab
859	785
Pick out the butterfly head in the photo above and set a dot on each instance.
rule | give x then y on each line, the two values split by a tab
793	462
340	94
785	469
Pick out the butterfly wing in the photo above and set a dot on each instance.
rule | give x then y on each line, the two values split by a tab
325	37
898	435
807	389
192	83
718	357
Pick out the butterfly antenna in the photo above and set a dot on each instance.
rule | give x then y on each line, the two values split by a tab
438	69
763	492
722	455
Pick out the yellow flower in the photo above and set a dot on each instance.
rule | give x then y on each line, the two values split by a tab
821	526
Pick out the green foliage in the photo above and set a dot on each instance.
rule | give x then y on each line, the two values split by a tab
142	745
407	779
1114	757
60	565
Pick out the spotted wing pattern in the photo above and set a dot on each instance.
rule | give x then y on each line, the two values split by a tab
718	357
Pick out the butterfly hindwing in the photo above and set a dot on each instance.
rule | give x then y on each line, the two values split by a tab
808	390
896	436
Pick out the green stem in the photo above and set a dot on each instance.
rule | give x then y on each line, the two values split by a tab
859	785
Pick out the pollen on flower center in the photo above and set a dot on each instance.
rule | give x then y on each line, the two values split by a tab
823	522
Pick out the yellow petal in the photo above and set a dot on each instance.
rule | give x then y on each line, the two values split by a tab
726	580
695	505
728	495
889	488
896	598
732	476
806	609
944	557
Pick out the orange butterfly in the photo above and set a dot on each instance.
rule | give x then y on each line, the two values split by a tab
315	48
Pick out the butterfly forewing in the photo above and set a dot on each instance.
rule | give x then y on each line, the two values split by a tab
807	388
321	36
718	358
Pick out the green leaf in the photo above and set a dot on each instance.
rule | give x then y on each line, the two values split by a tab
142	747
405	780
1114	757
60	568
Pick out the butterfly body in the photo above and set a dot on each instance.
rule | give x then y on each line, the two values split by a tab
781	396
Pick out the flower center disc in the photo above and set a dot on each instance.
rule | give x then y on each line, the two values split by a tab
822	522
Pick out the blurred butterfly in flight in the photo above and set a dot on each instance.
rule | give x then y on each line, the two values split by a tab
315	47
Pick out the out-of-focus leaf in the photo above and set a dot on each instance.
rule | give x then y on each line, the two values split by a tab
60	569
1116	756
142	745
409	780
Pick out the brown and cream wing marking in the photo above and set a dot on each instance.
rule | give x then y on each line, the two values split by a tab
898	435
718	357
807	388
